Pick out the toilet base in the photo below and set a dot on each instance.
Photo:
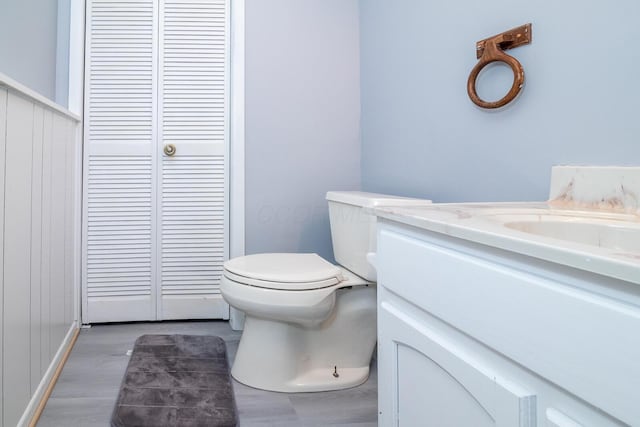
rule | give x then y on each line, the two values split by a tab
286	357
317	380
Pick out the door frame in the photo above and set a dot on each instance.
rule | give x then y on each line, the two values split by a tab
236	134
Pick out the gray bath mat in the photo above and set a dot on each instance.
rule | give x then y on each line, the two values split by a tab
176	381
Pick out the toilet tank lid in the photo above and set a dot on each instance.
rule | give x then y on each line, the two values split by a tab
372	200
285	268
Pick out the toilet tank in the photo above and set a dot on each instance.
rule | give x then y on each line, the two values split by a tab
353	229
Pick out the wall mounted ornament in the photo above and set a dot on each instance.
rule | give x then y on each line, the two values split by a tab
492	50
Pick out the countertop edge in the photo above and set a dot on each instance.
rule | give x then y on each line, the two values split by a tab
536	246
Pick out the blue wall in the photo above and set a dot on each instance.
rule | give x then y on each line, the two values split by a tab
421	135
302	119
28	35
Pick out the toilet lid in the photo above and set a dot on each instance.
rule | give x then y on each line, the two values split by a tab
283	271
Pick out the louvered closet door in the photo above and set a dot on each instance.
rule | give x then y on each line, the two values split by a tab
155	225
192	215
119	271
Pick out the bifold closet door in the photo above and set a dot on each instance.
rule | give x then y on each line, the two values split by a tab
192	111
120	130
155	225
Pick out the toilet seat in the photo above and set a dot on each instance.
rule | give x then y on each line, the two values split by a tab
283	271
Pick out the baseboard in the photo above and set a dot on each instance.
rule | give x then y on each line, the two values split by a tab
39	399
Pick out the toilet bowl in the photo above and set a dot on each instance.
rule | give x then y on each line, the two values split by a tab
310	325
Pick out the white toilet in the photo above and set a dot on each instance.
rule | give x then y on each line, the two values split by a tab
311	325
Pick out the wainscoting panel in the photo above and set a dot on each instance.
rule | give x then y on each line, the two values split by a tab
38	222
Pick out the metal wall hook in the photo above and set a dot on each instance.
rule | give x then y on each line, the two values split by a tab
491	50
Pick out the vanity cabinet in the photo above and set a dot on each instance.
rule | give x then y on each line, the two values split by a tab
472	335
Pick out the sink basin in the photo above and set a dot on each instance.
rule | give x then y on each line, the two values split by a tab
613	232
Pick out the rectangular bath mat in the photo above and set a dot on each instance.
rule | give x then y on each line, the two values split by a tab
176	381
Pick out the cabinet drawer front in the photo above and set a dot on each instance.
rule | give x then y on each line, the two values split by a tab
584	342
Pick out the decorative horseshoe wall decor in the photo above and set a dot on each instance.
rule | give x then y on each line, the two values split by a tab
491	50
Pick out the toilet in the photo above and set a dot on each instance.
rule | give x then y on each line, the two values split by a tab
310	325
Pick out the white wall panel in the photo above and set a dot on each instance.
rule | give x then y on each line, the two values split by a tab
57	256
36	246
36	235
48	348
69	217
17	254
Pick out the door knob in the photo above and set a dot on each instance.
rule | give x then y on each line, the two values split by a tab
170	150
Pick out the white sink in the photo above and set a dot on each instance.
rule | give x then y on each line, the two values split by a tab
614	232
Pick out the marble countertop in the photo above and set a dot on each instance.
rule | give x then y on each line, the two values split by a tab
484	223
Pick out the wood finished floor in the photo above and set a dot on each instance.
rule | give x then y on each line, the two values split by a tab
86	391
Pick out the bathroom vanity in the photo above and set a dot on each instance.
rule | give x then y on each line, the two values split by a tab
524	314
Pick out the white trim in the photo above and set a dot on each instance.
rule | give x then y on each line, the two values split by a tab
76	105
228	162
227	126
237	141
236	131
84	309
76	56
23	91
46	379
77	224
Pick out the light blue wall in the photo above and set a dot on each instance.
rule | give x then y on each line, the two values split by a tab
62	52
28	34
422	136
302	119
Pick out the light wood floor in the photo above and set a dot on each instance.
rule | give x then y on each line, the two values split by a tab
86	391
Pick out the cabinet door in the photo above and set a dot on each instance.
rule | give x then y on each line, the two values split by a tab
425	379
